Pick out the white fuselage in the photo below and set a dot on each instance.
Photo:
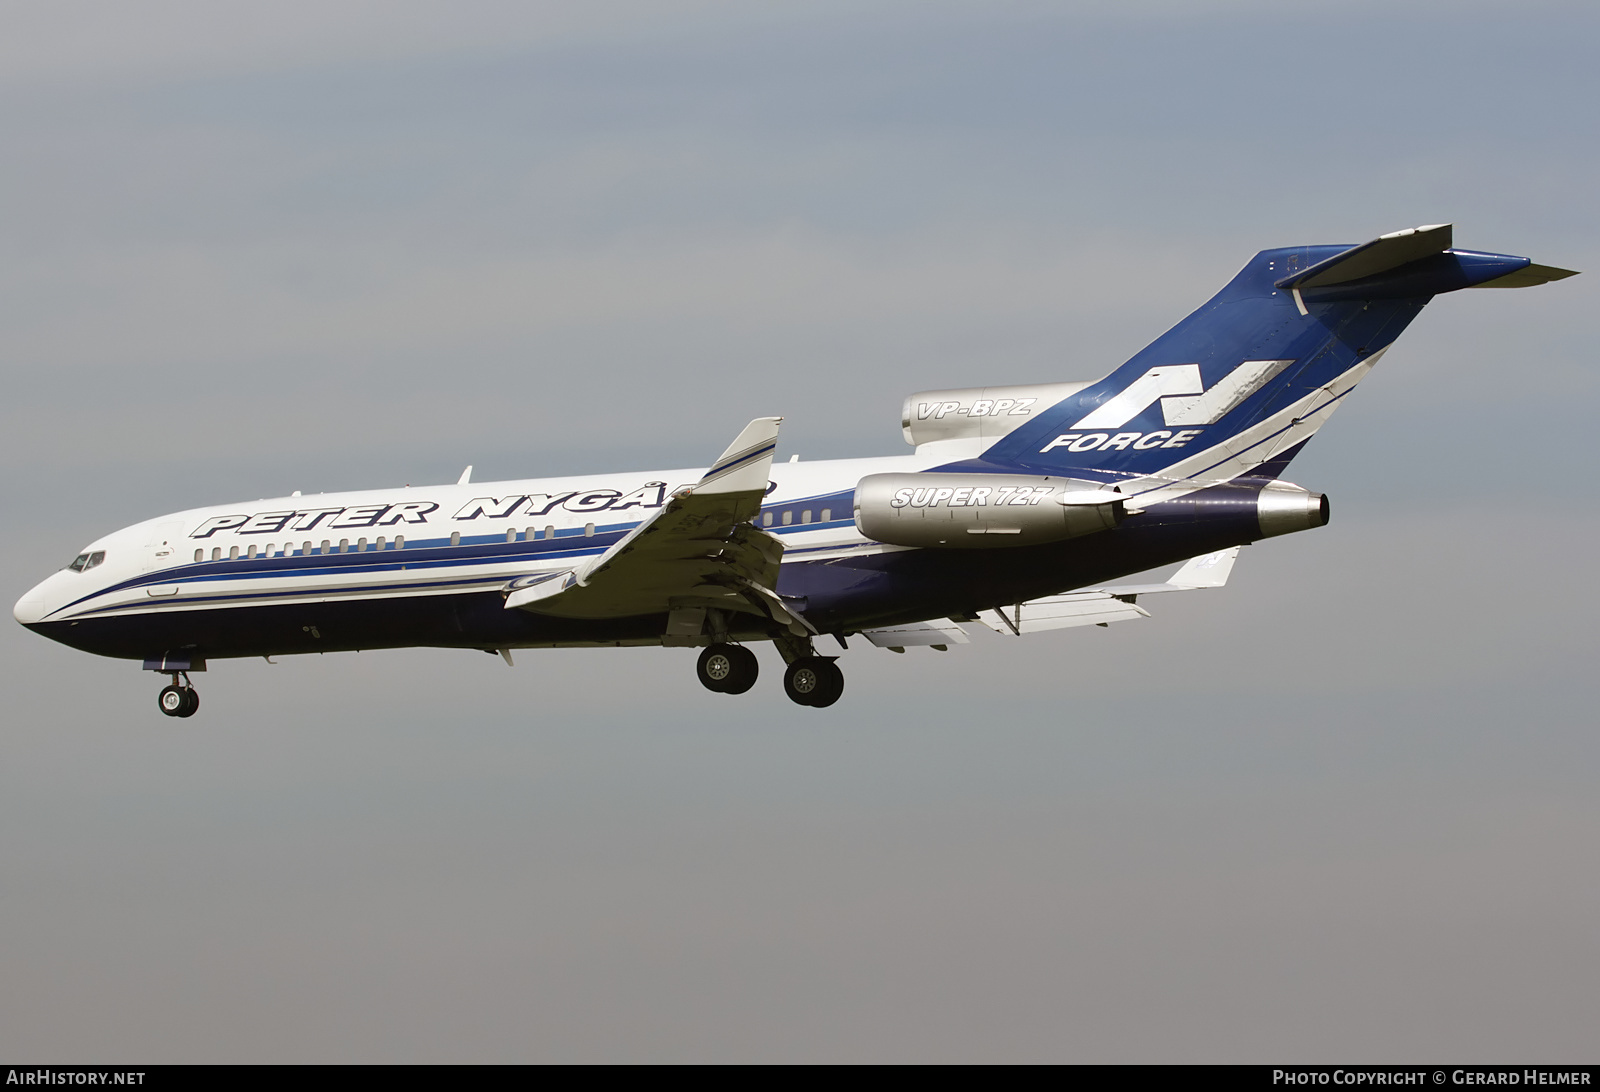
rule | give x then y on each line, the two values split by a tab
218	557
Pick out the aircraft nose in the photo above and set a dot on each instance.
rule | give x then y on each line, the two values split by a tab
29	609
32	607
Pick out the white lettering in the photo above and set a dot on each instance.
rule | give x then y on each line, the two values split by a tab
409	512
646	496
220	523
592	501
493	507
266	523
362	516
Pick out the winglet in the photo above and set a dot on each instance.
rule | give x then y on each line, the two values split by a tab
1207	571
747	463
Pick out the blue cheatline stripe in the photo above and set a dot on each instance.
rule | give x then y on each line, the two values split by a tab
1252	447
735	461
414	557
486	584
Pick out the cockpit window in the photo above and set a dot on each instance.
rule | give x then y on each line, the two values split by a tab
87	561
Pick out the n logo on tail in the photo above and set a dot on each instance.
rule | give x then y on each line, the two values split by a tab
1184	398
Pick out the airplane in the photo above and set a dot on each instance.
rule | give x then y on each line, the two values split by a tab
1016	506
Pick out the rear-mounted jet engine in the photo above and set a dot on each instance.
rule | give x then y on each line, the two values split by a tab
982	511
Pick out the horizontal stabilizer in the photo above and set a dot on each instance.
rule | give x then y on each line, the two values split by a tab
1528	276
1384	253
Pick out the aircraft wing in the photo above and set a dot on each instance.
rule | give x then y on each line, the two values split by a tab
1085	607
1115	603
700	549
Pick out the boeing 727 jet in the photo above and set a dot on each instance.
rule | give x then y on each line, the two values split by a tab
1017	507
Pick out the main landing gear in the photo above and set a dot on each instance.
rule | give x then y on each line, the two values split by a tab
179	701
810	679
727	669
815	681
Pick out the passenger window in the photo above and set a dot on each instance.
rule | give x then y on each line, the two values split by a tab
805	517
233	553
550	531
361	545
455	538
399	542
827	515
305	548
378	545
327	546
288	549
766	519
216	553
200	554
588	530
251	552
511	535
788	518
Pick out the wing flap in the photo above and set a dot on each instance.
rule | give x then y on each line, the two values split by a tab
1114	603
932	634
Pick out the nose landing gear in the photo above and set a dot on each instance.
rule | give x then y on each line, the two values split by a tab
179	701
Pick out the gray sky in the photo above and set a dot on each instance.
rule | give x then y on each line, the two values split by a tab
1342	810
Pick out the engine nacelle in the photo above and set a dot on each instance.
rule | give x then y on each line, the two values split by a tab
1283	508
982	511
986	413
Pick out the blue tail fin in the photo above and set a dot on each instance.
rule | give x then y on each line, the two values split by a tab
1238	387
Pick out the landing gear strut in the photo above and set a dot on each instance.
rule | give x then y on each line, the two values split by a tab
179	701
727	669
